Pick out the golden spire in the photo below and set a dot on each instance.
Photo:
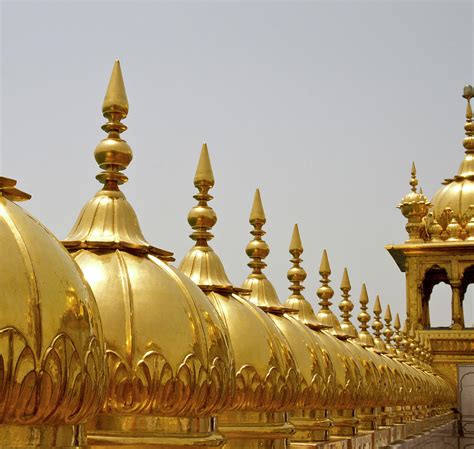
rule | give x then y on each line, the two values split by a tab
405	344
115	100
377	326
346	306
388	332
414	207
325	293
262	293
296	275
257	249
202	217
201	263
397	337
108	220
364	335
114	154
468	143
10	192
413	180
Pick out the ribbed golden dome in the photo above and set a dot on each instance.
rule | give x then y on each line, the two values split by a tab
166	347
457	193
266	377
52	373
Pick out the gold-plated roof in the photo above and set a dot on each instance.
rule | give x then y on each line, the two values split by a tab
344	386
167	349
266	377
51	345
308	354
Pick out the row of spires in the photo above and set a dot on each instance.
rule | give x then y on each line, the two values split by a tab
185	346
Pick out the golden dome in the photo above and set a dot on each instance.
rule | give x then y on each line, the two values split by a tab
52	372
457	193
266	377
166	348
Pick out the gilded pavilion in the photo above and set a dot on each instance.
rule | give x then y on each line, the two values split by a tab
105	343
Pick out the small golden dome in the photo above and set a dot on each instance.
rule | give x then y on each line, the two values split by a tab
457	193
51	345
266	377
166	347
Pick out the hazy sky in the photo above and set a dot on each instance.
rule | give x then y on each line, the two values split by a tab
323	105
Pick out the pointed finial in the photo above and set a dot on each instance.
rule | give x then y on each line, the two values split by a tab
115	100
468	143
257	214
388	314
346	306
324	268
204	174
295	244
364	336
325	293
396	323
113	154
377	307
413	180
296	274
202	217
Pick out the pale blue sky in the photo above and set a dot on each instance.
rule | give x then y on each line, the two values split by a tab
323	105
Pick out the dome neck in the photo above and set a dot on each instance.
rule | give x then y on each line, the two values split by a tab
108	221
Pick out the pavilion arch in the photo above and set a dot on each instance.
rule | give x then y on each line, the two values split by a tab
466	280
433	276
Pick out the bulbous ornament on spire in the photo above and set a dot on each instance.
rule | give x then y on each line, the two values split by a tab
325	292
346	306
414	206
365	337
